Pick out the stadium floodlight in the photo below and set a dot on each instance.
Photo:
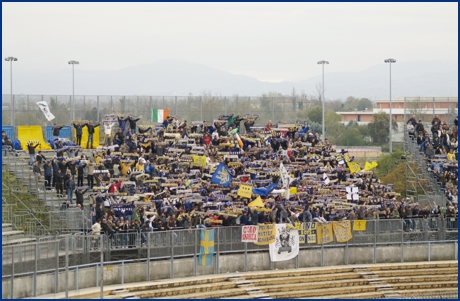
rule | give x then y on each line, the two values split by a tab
73	63
11	60
390	61
323	62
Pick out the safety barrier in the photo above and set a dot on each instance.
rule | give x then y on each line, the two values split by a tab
64	272
63	133
9	131
32	133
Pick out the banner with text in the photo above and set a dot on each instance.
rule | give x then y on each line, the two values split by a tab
307	232
342	231
324	233
265	234
249	234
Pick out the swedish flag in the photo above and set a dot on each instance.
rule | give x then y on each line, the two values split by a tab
206	247
222	176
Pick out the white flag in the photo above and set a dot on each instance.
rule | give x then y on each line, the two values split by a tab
285	178
326	179
43	105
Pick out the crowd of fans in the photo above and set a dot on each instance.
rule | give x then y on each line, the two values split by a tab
440	149
159	177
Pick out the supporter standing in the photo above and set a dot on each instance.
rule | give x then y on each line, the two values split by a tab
90	128
78	131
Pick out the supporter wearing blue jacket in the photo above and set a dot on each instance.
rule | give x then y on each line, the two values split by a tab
48	173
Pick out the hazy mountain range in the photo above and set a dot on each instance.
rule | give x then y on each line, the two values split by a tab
175	77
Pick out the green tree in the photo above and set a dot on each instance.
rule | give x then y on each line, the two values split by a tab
357	104
379	128
334	126
351	137
315	114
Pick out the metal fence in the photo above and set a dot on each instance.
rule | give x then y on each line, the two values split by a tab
65	270
88	107
22	109
83	248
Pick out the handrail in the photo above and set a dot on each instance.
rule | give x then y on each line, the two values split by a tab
30	212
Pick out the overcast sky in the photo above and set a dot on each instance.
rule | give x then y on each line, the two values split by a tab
268	41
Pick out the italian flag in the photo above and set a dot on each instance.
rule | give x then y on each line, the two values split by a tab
159	115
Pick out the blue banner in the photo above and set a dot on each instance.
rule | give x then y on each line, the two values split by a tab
264	191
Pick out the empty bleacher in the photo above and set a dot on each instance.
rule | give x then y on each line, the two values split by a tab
397	280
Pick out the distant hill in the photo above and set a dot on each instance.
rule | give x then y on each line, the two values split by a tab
175	77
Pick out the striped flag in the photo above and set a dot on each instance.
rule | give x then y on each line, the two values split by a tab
159	115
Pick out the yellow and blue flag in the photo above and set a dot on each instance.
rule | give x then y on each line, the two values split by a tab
206	247
222	176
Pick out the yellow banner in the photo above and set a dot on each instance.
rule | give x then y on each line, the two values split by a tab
256	203
353	166
369	166
359	225
265	234
199	160
292	190
245	191
342	231
324	233
307	232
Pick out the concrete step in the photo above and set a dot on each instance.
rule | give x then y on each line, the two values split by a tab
366	295
428	291
18	241
12	234
289	287
197	290
305	279
7	227
314	293
424	285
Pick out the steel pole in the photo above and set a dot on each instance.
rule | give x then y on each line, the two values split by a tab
391	123
322	101
404	125
11	93
73	92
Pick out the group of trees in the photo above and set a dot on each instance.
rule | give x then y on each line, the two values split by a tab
310	108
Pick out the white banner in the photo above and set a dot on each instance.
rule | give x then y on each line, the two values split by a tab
249	233
286	245
43	105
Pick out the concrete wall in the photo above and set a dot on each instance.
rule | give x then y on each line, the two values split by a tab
231	263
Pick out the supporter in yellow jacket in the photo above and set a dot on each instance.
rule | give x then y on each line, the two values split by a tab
125	167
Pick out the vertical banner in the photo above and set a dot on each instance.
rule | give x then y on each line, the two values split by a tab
265	234
206	247
249	234
324	233
342	231
359	225
286	245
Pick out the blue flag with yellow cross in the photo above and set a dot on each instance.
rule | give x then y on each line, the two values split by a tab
206	247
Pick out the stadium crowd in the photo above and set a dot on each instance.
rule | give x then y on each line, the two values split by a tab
177	175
